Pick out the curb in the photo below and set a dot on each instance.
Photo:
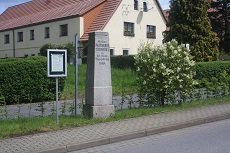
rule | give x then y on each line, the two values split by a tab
134	135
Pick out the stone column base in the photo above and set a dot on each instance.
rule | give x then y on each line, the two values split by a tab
98	111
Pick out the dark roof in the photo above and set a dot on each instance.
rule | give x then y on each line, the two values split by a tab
38	11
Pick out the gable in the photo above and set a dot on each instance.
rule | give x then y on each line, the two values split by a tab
103	17
90	16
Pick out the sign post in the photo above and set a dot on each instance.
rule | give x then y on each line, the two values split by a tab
57	67
76	73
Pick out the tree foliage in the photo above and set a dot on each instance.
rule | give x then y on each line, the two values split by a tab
219	15
69	46
189	23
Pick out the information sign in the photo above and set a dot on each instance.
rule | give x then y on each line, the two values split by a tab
57	63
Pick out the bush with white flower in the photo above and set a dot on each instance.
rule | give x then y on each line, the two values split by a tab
164	72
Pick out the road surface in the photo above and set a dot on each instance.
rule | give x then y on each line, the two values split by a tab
207	138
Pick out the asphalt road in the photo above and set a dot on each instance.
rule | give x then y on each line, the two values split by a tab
207	138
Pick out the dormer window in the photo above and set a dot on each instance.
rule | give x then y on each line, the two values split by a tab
135	4
145	8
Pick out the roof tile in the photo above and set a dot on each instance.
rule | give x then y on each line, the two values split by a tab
37	11
102	19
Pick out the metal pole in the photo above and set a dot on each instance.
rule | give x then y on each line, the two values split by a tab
57	100
76	72
14	53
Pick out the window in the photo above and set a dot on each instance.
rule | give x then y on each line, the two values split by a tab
135	4
20	36
31	34
64	30
129	29
145	8
125	52
7	39
151	31
111	51
47	32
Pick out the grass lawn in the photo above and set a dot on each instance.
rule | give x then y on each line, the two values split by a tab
120	79
18	127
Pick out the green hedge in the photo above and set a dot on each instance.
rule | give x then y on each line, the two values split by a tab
120	62
25	78
203	69
211	69
123	62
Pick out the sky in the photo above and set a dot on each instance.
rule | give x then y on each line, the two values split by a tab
4	4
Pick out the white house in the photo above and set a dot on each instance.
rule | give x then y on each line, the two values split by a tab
26	27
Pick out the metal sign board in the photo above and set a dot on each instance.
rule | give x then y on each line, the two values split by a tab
57	63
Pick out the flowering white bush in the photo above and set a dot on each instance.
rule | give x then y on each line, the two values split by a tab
164	72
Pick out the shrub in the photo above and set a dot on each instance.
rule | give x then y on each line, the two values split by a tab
214	77
25	78
43	49
69	46
123	62
211	69
164	72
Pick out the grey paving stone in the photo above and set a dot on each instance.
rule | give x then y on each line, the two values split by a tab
129	128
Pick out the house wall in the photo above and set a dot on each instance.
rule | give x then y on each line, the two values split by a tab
31	47
126	13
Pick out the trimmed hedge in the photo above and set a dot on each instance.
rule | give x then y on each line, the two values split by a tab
123	62
211	69
203	69
120	62
25	78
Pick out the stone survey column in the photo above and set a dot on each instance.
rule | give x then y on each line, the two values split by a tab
98	96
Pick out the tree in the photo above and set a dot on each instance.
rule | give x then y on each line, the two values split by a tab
219	15
189	23
69	46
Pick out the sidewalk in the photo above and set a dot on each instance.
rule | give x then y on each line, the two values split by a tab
104	133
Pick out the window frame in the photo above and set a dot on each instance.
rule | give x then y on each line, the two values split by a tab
31	34
47	32
123	51
151	31
136	5
145	7
129	29
20	36
63	30
6	38
112	49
